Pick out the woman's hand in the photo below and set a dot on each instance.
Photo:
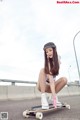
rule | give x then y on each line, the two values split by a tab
49	76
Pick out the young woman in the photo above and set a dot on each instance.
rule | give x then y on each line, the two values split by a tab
47	77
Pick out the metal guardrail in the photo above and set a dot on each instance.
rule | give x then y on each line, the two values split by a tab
31	82
17	81
71	84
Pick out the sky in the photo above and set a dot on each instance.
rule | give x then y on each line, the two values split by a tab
26	25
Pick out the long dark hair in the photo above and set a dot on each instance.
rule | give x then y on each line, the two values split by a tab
54	63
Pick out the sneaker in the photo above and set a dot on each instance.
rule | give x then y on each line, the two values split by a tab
44	101
58	102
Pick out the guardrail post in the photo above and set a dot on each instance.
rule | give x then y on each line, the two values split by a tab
13	83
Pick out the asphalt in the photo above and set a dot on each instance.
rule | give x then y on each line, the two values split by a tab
15	108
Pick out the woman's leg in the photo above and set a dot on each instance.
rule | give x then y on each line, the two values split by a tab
59	84
42	87
42	81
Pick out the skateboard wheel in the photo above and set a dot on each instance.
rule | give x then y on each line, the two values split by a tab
68	106
39	115
26	114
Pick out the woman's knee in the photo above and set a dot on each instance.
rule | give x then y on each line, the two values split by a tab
64	80
42	71
39	89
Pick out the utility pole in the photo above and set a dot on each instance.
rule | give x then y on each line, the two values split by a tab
76	54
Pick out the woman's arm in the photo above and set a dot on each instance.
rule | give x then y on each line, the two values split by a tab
51	81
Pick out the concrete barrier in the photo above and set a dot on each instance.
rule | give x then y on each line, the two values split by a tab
16	92
70	90
26	92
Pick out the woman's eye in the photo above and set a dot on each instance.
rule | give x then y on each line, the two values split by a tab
46	52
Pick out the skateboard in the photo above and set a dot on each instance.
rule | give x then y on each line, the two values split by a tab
38	112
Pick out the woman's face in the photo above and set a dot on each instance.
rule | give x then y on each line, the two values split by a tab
49	52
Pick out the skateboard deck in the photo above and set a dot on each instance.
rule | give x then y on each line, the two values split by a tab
38	112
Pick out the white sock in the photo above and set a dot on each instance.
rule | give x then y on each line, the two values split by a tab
43	94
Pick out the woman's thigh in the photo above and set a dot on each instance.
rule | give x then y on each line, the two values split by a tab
48	89
59	84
